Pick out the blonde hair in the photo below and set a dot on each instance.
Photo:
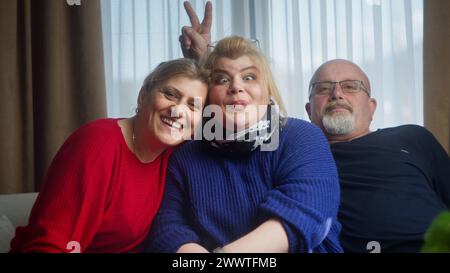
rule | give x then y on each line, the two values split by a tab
167	70
234	47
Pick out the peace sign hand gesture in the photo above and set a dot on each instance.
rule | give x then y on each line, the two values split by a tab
194	40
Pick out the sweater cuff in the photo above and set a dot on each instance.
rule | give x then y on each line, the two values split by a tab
300	228
294	239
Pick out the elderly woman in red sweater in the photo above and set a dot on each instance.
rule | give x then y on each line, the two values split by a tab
105	184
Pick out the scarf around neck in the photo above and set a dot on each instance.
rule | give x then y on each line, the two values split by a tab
254	137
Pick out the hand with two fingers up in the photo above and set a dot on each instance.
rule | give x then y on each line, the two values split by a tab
194	39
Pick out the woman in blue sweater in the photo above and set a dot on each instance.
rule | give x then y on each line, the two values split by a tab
257	181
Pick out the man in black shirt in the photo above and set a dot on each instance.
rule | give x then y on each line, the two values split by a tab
394	181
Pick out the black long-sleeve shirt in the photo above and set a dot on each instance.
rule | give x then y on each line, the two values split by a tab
394	182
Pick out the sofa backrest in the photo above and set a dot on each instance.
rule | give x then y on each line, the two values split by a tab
17	207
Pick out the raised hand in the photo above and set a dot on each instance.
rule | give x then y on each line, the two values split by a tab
194	39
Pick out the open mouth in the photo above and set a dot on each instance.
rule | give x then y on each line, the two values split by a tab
172	123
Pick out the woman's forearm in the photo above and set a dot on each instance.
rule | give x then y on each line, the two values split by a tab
269	237
192	248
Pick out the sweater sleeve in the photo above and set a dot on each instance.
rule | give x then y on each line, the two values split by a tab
171	227
305	196
72	200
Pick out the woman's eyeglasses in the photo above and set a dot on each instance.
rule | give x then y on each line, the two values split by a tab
254	42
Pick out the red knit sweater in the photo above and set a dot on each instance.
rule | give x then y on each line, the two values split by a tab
96	193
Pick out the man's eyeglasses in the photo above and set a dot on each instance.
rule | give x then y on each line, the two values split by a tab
347	87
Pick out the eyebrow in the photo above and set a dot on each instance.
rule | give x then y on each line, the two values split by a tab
180	94
171	88
242	70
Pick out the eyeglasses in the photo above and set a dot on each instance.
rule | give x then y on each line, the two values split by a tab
347	87
254	42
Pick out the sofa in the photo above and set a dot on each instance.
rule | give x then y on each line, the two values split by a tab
14	211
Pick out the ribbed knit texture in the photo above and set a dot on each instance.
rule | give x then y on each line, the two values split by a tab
96	192
213	199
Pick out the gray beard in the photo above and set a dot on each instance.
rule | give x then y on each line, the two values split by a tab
339	124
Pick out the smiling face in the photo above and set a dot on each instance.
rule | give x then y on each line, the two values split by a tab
237	87
342	116
172	110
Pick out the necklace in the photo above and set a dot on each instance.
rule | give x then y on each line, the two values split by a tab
134	138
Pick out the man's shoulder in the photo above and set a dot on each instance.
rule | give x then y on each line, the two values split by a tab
409	130
406	137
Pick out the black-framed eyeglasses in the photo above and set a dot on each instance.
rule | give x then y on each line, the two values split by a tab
347	87
254	42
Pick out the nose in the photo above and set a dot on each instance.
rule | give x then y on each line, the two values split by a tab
235	87
178	111
336	92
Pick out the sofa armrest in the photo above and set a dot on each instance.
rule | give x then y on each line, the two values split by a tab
17	207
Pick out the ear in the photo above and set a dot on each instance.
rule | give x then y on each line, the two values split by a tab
372	105
308	109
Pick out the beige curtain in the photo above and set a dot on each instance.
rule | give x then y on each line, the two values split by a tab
51	82
437	69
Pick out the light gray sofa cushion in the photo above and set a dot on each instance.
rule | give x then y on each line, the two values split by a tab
17	207
14	211
6	233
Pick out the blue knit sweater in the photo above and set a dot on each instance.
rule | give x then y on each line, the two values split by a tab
213	199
